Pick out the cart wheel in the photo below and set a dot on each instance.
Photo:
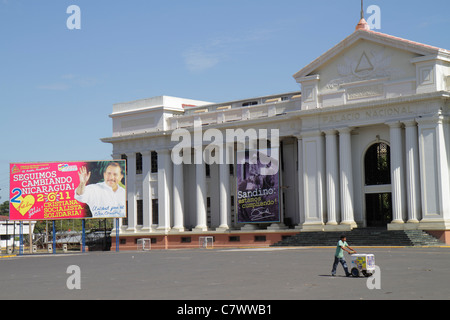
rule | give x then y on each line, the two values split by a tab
355	272
366	274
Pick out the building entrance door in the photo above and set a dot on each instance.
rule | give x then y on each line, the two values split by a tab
377	175
378	209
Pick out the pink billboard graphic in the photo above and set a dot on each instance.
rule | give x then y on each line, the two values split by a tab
67	190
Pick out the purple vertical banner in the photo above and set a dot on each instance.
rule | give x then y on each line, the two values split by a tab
257	186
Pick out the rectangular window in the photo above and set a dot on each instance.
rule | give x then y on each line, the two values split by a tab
185	239
125	220
155	219
208	211
234	239
154	162
250	103
124	157
138	163
140	212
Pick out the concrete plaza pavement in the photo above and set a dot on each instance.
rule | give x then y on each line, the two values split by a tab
291	273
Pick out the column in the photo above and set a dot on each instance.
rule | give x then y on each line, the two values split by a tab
164	189
313	181
131	191
397	173
346	176
332	176
300	182
224	189
178	197
412	172
146	191
200	179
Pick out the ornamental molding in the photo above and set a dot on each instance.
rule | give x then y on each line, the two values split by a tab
368	65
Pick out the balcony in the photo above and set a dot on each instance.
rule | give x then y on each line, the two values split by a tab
241	110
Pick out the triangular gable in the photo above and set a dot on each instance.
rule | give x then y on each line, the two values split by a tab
377	37
372	65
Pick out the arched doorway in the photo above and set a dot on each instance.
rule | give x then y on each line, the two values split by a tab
377	176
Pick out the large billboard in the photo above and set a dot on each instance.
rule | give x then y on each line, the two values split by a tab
257	186
67	190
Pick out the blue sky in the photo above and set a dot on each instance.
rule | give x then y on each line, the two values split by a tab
57	86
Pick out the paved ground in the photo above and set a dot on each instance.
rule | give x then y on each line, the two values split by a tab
226	274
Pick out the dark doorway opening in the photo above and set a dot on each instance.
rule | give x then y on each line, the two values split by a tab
377	172
378	209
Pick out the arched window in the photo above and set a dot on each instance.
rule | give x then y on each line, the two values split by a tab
377	164
377	169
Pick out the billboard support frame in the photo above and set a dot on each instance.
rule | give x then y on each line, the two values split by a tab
83	235
54	237
21	238
117	235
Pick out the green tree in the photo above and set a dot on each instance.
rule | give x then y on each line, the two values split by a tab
4	209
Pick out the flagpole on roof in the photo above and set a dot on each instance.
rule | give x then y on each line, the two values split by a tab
362	9
362	24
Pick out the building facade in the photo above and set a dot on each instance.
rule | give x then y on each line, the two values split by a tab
365	143
10	233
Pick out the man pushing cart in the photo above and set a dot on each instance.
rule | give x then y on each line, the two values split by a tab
339	256
360	264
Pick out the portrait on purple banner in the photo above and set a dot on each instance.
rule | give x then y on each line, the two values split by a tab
258	186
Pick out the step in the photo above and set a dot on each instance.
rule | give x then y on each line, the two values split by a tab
363	237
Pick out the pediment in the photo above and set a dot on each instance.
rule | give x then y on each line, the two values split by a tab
380	39
366	64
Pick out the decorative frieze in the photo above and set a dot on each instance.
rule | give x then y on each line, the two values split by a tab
368	114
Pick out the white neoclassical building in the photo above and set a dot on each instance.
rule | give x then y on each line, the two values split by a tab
366	142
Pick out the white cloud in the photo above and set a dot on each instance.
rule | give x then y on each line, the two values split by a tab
206	56
198	60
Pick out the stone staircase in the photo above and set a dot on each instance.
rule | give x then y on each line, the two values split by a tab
363	237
